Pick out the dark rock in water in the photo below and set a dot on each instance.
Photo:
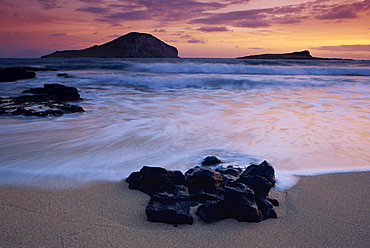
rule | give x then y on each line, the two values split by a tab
225	193
131	45
59	92
175	213
13	74
211	160
151	180
264	169
65	75
31	68
203	179
47	101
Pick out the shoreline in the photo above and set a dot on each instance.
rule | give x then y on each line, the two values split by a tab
319	211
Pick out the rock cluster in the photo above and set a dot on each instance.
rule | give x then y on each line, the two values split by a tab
47	101
218	194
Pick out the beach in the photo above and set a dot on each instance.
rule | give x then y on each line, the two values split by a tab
319	211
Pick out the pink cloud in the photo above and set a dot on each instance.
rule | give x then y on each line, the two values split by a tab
213	29
342	48
196	41
340	12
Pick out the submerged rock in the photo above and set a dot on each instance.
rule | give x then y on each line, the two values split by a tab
47	101
13	74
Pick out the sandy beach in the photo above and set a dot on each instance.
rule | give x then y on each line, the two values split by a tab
319	211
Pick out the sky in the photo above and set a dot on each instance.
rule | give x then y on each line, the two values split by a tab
197	28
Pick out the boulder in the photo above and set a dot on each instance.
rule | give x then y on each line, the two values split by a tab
238	203
175	213
151	180
13	74
131	45
203	180
58	92
211	160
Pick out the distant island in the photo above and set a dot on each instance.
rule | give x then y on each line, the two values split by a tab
131	45
303	55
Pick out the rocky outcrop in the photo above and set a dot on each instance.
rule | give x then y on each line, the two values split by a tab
218	194
131	45
47	101
11	74
303	55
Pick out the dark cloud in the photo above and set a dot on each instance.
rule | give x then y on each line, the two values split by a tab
253	23
255	48
161	10
91	1
288	14
343	48
213	29
343	11
58	34
94	10
196	41
339	12
129	16
187	36
50	4
159	30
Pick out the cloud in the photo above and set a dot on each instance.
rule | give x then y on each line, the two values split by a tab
49	4
159	30
129	16
253	24
289	14
196	41
339	12
161	10
255	48
91	1
343	11
344	48
213	29
93	10
58	34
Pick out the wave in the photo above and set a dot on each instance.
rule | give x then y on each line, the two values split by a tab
204	66
222	68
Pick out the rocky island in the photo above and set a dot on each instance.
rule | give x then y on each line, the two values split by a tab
303	55
131	45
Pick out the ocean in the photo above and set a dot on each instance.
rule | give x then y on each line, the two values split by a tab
304	117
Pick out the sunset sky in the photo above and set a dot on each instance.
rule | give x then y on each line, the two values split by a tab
198	28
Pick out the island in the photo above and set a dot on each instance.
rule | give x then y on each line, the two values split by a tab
131	45
303	55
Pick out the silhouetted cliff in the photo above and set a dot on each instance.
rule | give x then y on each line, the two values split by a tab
295	55
131	45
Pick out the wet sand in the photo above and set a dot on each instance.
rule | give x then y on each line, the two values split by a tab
319	211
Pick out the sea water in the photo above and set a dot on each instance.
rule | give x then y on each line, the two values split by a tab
304	117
